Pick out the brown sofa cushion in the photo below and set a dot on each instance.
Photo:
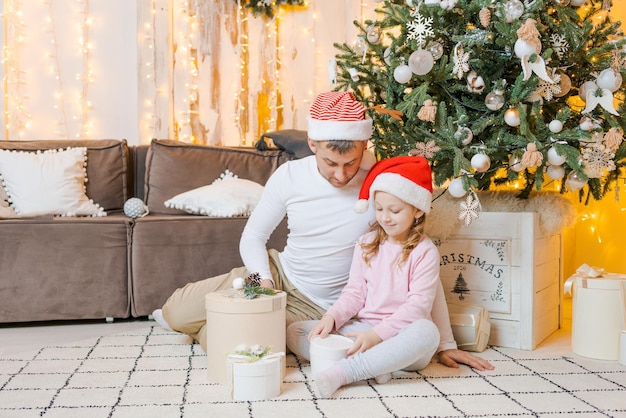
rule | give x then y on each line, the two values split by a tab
174	167
107	166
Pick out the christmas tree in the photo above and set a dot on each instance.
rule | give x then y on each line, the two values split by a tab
492	92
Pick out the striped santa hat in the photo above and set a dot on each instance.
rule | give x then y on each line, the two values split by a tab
408	178
337	115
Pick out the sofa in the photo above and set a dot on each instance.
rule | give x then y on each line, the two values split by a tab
88	267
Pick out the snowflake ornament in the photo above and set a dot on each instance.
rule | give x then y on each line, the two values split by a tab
469	209
559	44
420	28
425	149
597	158
549	90
461	61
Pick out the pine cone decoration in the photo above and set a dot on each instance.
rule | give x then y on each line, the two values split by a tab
254	279
485	17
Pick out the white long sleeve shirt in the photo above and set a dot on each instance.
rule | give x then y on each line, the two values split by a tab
323	229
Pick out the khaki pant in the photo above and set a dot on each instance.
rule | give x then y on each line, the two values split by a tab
185	310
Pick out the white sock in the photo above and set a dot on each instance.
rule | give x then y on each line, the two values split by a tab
329	380
157	315
381	379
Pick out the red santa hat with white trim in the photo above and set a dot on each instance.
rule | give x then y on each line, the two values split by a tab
408	178
337	115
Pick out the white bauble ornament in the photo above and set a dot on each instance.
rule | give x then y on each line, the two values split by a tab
387	55
556	172
480	162
494	100
374	34
516	164
135	208
577	3
435	48
464	134
555	158
555	126
523	48
586	87
574	182
421	62
402	74
587	124
239	283
456	188
513	10
609	79
511	117
566	85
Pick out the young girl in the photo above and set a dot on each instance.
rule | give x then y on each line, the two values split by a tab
394	293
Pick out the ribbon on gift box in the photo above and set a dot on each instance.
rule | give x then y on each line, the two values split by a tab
585	271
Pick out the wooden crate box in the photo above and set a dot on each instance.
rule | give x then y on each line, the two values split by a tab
503	262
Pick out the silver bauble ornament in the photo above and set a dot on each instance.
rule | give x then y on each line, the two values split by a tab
562	2
513	10
421	62
374	34
574	182
402	74
516	164
135	208
456	188
555	172
555	158
494	100
480	162
435	48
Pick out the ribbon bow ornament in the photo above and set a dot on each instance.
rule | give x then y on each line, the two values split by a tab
602	97
535	64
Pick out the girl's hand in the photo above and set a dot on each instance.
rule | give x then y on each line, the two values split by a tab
363	341
323	327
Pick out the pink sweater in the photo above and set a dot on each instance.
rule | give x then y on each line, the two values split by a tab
390	297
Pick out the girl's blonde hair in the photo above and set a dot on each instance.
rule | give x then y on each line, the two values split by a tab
416	234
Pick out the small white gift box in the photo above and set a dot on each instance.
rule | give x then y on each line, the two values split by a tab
255	381
470	326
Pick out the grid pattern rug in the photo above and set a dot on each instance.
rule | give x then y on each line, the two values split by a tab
153	373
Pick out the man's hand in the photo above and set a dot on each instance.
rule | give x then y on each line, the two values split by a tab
452	358
364	340
323	327
267	283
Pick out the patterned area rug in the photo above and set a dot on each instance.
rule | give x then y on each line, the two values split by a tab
153	373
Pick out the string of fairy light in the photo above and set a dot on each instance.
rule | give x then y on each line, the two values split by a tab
17	116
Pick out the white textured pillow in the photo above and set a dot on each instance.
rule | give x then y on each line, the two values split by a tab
47	182
227	196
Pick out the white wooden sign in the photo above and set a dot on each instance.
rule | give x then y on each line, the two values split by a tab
477	271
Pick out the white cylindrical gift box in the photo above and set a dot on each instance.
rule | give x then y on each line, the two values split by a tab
327	351
598	316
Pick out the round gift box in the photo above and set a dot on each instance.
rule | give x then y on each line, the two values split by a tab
327	351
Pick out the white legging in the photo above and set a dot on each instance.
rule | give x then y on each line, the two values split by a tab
411	349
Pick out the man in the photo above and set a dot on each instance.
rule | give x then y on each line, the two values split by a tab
317	194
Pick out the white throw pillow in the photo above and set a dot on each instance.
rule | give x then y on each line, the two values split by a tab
47	182
227	196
